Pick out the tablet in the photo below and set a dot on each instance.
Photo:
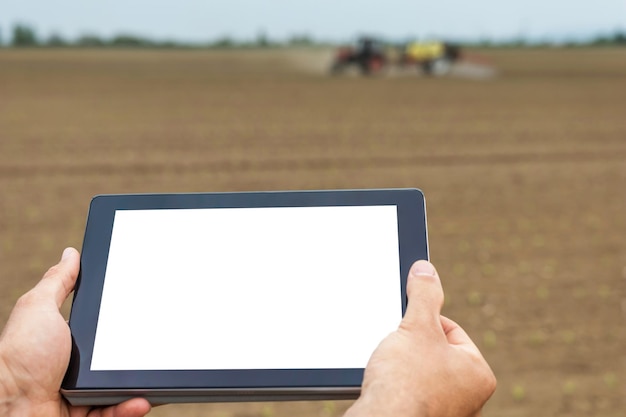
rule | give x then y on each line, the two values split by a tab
239	296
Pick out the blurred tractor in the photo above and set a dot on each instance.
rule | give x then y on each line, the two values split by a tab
367	56
371	57
433	58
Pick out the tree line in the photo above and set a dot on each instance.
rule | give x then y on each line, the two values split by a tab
25	36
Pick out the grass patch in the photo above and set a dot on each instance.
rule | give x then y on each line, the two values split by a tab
475	298
568	336
490	339
518	392
267	411
488	269
543	292
329	408
569	387
537	338
610	380
459	270
604	291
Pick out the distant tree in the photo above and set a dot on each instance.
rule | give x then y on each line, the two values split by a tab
224	42
301	40
518	42
24	36
620	38
129	41
55	40
600	41
90	41
485	43
262	40
169	44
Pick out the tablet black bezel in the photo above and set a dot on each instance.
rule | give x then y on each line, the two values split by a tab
413	245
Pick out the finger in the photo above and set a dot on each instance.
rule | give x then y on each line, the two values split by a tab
59	281
137	407
78	411
455	333
425	296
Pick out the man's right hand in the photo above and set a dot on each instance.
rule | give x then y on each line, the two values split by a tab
429	366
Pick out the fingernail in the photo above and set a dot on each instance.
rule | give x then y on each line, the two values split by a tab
423	268
66	253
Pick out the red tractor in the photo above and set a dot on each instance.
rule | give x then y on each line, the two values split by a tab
367	56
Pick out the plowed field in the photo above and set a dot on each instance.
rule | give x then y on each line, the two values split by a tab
524	175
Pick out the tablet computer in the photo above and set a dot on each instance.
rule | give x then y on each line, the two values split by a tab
239	296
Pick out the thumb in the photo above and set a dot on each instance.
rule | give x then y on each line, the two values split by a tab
59	281
425	297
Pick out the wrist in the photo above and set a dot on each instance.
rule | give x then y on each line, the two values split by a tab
8	389
374	406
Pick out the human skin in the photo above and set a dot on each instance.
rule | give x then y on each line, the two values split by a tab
35	348
429	366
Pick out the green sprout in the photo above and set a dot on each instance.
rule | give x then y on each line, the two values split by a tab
569	387
610	380
490	339
518	392
543	293
475	298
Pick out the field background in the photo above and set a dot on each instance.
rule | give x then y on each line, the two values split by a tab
524	175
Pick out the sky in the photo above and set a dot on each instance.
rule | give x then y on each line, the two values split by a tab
336	20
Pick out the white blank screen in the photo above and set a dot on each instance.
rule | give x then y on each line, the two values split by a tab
248	288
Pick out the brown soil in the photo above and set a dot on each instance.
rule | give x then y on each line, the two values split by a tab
524	174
